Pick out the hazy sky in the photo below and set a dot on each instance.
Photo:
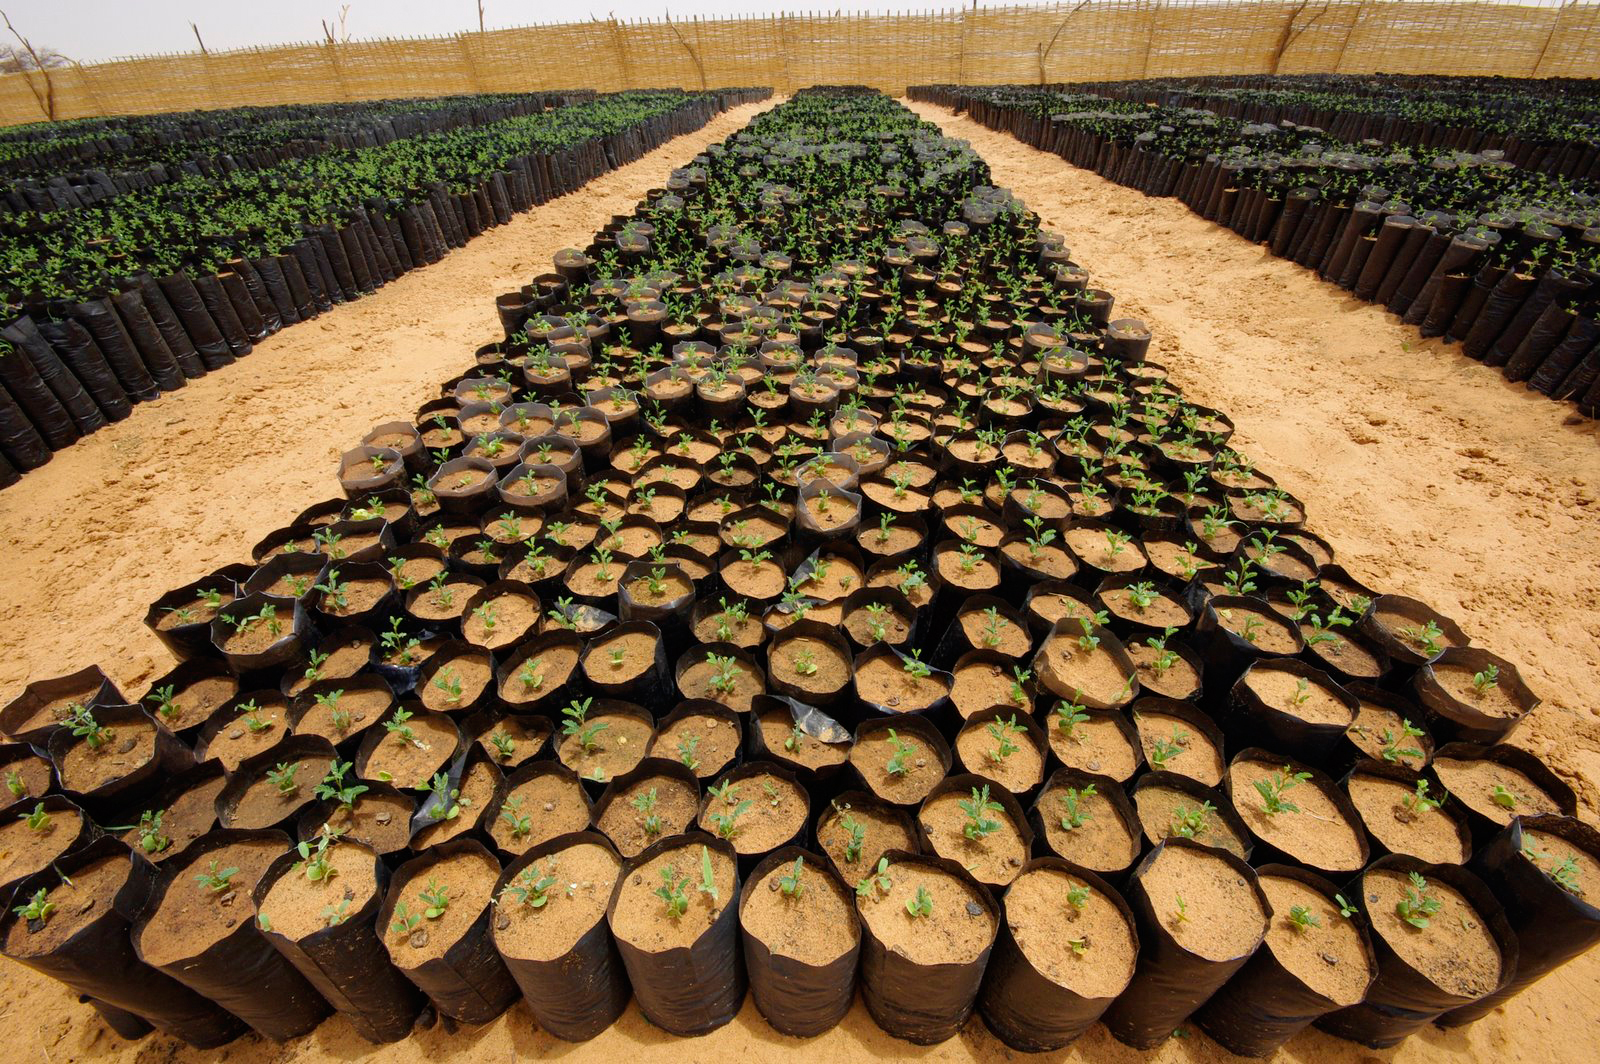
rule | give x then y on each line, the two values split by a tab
88	30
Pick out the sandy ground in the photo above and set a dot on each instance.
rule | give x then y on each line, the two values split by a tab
1431	477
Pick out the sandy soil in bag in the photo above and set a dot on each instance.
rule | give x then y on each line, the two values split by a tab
1437	479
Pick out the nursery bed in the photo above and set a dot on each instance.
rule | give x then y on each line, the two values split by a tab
293	473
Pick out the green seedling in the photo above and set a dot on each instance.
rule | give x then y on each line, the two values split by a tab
920	907
1417	907
216	880
978	808
876	882
1072	800
1272	790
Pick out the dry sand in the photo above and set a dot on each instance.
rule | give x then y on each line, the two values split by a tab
1433	478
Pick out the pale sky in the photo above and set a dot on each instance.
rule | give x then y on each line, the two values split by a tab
91	30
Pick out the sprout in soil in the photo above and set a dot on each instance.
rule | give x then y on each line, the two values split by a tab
396	725
1346	910
151	840
1506	799
1417	802
1416	907
487	615
1483	682
858	835
83	726
1069	715
1088	641
725	674
646	803
15	783
686	751
444	801
163	698
978	808
1189	823
216	880
708	881
1072	799
316	660
399	648
897	764
404	919
511	813
531	887
334	915
876	882
283	777
922	905
578	726
38	908
914	666
1143	595
729	617
1163	750
39	820
504	745
993	625
443	596
337	593
804	662
531	675
1077	898
1180	915
448	681
314	859
334	788
436	897
1426	638
726	823
1392	750
1271	791
1301	918
771	791
790	884
1302	693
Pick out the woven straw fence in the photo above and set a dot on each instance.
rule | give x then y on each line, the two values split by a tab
1089	40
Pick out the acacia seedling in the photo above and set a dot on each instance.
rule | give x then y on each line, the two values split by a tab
1302	918
1072	800
1503	797
216	880
1164	750
876	882
789	884
898	762
151	838
1001	730
436	896
1392	750
314	859
1271	790
39	821
1483	682
978	807
645	803
1189	822
1417	906
577	725
920	907
511	812
283	777
334	788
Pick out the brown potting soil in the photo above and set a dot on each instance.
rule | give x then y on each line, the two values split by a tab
640	918
1326	955
695	682
883	830
79	900
1095	745
710	742
1274	635
638	657
871	755
832	669
1473	783
994	859
584	875
473	672
617	748
1455	951
192	917
776	812
814	926
191	814
1495	700
1160	807
514	613
981	685
789	743
1004	638
528	734
1297	696
412	762
199	612
1089	950
1317	834
554	804
1018	771
467	880
1372	723
1196	758
477	789
235	741
672	801
381	821
297	905
196	702
1428	836
1101	843
1220	917
27	777
957	931
887	682
1551	852
551	668
24	851
263	804
128	746
365	705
